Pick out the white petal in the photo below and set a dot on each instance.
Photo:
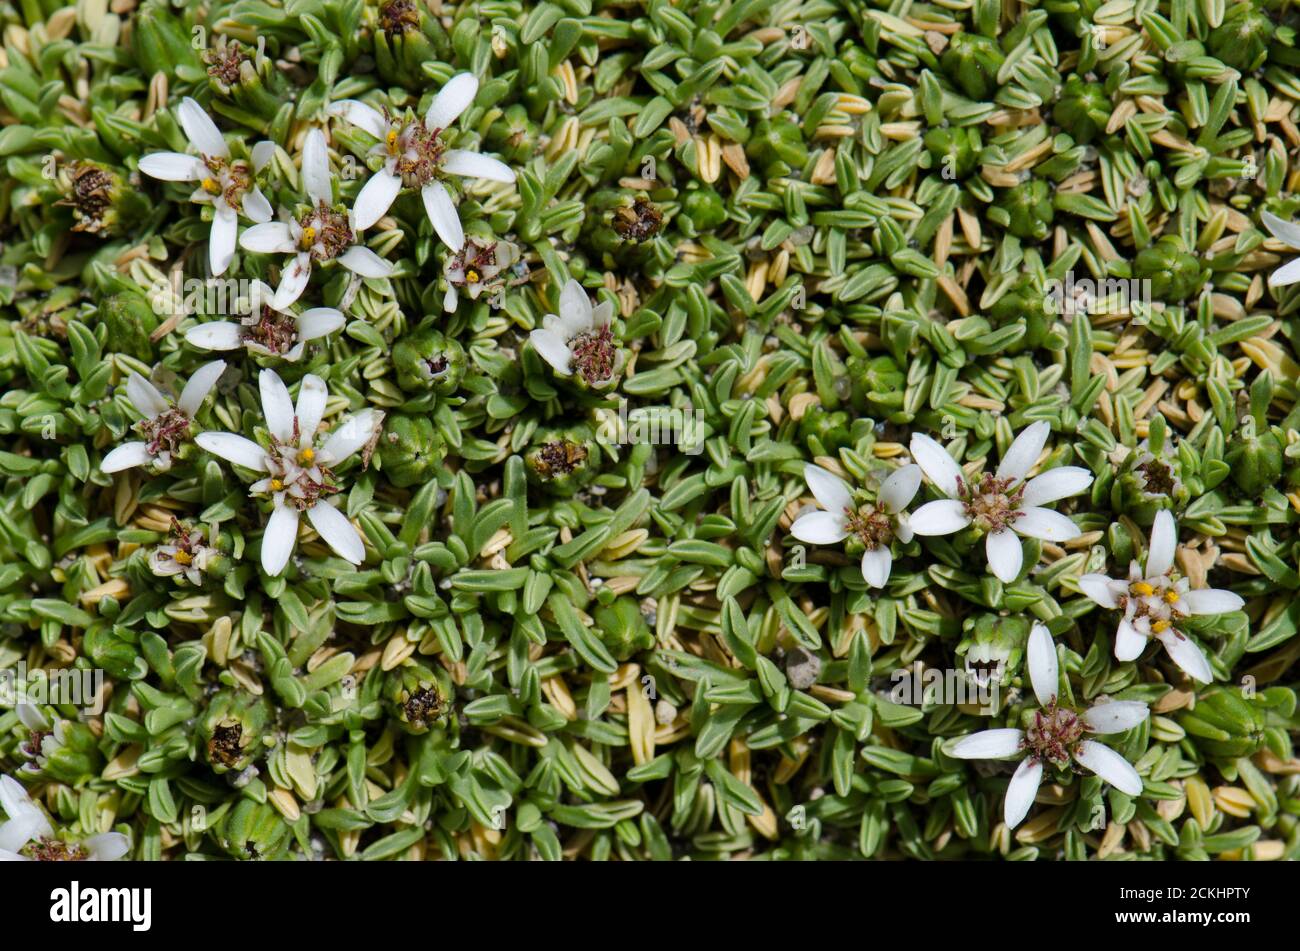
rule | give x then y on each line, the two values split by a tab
221	241
19	830
1110	766
474	165
340	534
200	129
312	395
876	565
1184	652
351	435
107	846
1005	555
1099	589
256	207
360	115
234	448
277	407
319	322
1059	483
173	167
1021	792
942	517
293	281
602	314
1164	540
1129	641
218	335
938	466
1044	669
832	492
453	99
1045	524
274	237
1024	451
129	455
199	386
31	717
375	198
261	154
898	490
1116	716
987	744
575	308
361	260
1285	231
449	300
279	538
1287	274
1211	601
903	527
442	212
316	178
553	348
819	528
144	396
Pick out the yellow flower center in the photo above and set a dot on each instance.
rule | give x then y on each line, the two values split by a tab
183	558
391	141
1171	596
1141	589
211	186
1158	627
308	236
306	457
471	276
276	485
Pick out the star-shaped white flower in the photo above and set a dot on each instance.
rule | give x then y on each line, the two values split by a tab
188	554
875	525
298	477
1154	601
1056	736
414	156
224	183
322	233
1001	505
265	329
475	268
164	426
25	822
579	340
1289	234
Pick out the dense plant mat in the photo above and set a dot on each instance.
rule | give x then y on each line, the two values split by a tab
638	430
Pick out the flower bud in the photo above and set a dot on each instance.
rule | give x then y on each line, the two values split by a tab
622	628
232	730
562	461
427	361
972	62
410	449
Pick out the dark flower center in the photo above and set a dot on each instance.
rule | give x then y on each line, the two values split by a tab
53	850
990	503
273	330
398	17
224	747
1158	477
326	233
422	706
593	353
640	222
223	64
165	432
871	525
417	151
90	196
559	458
227	179
1054	734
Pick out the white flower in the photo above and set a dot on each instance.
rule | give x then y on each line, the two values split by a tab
874	525
27	830
475	268
414	156
321	233
1154	600
1288	234
298	476
164	426
188	554
580	339
265	329
1056	736
1002	505
225	183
